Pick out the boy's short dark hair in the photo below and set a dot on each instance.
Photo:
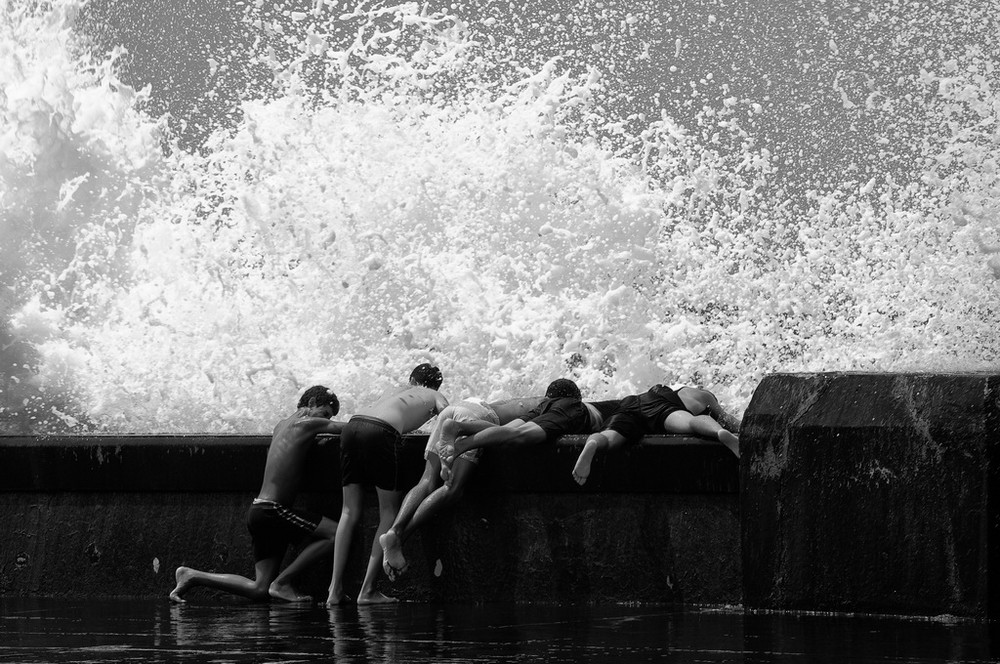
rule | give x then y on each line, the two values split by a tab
563	387
427	375
318	396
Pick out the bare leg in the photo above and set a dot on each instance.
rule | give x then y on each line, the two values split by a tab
606	440
703	402
350	517
443	497
388	507
256	589
393	561
322	545
681	421
731	441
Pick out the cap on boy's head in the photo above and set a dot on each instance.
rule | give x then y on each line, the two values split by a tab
563	387
318	396
427	375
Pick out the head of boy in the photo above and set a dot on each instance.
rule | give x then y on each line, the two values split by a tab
319	397
562	388
426	375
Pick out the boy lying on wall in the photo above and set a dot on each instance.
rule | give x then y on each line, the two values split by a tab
659	410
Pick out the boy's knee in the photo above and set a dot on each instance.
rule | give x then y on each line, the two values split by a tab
430	476
454	492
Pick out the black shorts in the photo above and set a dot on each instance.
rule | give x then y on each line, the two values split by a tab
644	414
369	453
628	420
273	527
559	417
657	404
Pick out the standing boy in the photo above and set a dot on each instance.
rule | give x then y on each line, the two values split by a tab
370	447
272	522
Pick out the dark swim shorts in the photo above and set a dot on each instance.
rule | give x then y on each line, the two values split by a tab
369	453
657	404
273	527
559	417
628	420
644	414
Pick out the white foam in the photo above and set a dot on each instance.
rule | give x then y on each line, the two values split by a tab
511	231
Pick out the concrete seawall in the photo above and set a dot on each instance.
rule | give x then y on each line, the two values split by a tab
855	493
114	516
872	493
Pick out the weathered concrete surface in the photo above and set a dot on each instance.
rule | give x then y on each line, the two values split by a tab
100	516
671	464
872	492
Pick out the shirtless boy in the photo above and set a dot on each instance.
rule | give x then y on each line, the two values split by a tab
272	522
368	455
426	500
689	410
561	412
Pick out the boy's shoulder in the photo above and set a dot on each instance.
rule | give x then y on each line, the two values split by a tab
297	428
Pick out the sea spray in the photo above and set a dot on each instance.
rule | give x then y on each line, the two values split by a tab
406	185
76	159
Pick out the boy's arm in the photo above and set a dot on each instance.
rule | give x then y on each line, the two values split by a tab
440	403
472	427
314	426
331	426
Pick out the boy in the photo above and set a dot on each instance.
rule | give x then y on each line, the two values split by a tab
272	522
369	447
562	412
689	410
426	500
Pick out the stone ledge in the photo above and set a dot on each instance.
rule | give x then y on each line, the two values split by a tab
228	463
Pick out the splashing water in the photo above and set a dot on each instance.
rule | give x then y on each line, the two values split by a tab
496	194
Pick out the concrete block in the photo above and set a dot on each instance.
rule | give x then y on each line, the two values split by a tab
872	493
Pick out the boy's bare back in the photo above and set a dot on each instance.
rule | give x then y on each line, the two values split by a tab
515	409
291	441
408	408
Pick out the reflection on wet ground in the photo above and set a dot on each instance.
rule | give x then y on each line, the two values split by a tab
145	631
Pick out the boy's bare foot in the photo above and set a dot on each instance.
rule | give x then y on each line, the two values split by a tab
183	577
730	440
336	599
460	447
375	598
449	431
581	471
445	473
449	452
447	455
286	593
393	561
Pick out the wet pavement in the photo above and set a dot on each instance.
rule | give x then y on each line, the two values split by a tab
146	631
